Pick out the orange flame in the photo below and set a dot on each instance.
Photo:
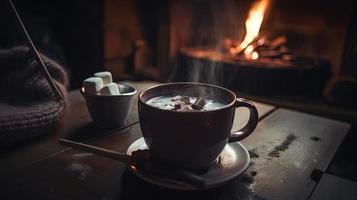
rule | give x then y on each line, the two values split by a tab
254	21
249	53
252	24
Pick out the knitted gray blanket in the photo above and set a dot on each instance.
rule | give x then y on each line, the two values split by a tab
28	107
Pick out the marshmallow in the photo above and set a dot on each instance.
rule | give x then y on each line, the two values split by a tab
92	85
176	98
199	103
110	89
185	99
178	105
186	108
106	76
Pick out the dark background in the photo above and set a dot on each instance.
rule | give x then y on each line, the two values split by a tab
70	32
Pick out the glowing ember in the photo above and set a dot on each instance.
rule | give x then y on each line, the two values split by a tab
233	50
255	55
252	24
248	51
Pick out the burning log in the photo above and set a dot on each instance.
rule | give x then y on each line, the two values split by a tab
276	54
263	42
285	50
270	54
261	47
254	44
287	58
278	42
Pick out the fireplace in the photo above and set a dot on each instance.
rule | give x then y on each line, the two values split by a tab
268	48
262	47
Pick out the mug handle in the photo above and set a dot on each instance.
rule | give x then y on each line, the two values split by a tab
250	126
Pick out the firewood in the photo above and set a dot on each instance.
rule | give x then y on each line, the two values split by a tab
278	42
270	54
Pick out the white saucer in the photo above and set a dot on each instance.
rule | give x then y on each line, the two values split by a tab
232	162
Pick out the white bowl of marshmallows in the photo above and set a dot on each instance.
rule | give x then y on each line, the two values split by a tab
108	103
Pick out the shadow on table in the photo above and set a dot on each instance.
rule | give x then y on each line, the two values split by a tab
90	132
134	188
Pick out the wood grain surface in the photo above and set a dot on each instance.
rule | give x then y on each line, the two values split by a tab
283	168
333	187
286	147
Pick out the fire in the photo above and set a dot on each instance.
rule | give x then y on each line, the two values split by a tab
254	21
250	53
255	55
252	24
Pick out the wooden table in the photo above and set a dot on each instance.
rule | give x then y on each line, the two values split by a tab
290	152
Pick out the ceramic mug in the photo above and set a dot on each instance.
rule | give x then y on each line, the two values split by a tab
110	111
191	140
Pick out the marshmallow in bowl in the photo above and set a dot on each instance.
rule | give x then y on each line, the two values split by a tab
93	85
110	89
106	76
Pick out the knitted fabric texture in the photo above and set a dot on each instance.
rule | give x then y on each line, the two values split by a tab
28	107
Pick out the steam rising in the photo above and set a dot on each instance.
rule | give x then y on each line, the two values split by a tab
222	20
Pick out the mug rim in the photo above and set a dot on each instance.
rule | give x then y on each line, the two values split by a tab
232	103
110	96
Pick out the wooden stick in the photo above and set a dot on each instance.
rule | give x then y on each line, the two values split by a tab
43	68
124	158
147	166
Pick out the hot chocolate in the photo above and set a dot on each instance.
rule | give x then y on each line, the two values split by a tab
184	103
